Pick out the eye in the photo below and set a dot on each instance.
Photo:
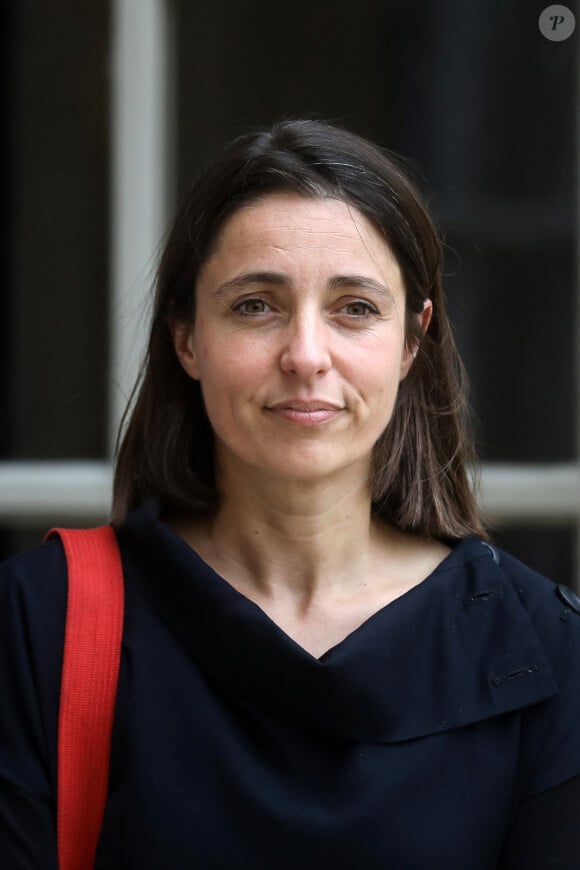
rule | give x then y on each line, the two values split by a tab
251	307
359	308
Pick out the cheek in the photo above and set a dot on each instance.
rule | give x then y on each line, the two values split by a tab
236	363
230	377
375	365
378	386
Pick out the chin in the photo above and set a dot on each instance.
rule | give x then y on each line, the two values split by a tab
313	468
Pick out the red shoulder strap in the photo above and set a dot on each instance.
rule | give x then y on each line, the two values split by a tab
92	652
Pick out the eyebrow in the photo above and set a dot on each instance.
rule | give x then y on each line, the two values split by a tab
245	278
364	281
281	279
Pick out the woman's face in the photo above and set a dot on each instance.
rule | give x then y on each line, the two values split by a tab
299	339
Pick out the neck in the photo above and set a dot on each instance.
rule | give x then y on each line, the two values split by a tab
292	540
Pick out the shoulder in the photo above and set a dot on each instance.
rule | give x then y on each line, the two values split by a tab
37	575
33	593
553	608
551	728
33	597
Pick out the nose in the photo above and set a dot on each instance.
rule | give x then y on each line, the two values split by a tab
306	351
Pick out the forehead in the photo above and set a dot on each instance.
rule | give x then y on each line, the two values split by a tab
287	226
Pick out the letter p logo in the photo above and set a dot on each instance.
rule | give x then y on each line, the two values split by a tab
557	23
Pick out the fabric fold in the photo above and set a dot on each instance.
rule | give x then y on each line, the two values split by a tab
455	650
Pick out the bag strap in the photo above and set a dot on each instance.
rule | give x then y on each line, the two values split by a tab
92	653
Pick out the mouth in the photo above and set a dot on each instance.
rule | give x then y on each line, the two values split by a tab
306	413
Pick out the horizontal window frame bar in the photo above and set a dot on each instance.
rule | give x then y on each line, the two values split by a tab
80	492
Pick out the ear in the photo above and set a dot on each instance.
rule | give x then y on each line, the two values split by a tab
423	319
185	349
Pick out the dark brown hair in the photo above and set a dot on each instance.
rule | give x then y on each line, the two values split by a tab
421	462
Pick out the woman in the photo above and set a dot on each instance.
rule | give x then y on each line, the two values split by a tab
324	663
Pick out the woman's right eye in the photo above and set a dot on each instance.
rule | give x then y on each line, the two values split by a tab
251	307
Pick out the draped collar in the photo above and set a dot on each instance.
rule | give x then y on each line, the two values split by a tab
457	649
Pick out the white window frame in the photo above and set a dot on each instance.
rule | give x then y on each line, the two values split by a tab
141	169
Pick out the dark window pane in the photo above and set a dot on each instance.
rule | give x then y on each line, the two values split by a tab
57	255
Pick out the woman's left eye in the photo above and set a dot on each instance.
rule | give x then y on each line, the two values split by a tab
359	308
251	307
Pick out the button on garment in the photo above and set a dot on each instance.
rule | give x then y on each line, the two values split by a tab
569	598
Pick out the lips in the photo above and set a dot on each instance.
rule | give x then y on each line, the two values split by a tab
306	406
306	413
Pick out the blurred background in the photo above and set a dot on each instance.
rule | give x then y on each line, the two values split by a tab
112	108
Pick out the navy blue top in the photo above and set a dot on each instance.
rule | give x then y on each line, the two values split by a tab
413	743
